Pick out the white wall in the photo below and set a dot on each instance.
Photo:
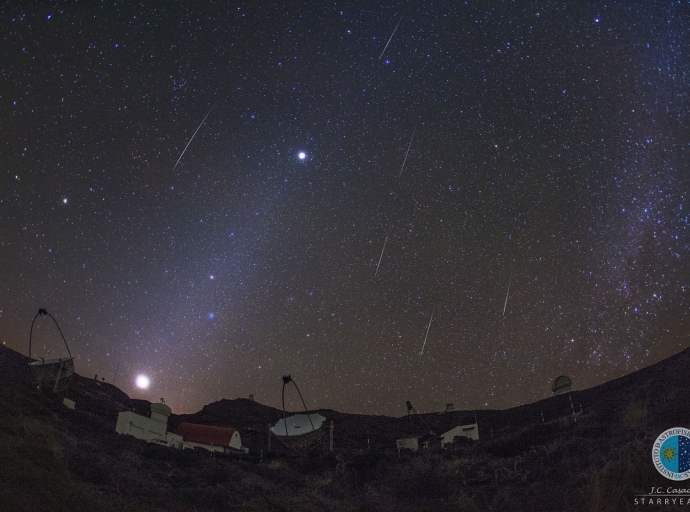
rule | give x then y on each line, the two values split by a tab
409	443
471	431
210	448
140	427
235	443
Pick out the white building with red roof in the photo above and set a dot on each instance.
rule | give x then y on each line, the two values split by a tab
154	429
215	439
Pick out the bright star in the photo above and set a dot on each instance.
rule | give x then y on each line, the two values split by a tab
302	155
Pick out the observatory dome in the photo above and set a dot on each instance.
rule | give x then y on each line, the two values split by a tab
160	412
561	385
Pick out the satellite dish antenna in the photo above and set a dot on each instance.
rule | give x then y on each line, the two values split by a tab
60	369
299	432
287	379
562	385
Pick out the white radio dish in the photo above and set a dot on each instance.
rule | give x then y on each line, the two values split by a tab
298	424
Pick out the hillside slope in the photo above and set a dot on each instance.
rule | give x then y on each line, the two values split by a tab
55	458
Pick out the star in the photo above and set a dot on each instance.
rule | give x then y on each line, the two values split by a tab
438	176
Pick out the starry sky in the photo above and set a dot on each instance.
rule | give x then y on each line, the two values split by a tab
153	198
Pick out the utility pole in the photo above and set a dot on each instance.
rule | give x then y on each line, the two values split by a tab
331	440
116	369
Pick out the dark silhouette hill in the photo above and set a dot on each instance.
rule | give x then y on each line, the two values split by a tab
647	388
537	456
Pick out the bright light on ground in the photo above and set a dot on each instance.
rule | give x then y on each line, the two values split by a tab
143	382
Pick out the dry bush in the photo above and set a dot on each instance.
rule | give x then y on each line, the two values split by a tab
421	477
34	452
636	415
619	473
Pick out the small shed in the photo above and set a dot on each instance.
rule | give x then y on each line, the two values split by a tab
216	439
471	431
408	443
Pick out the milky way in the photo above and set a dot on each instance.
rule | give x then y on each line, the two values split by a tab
550	151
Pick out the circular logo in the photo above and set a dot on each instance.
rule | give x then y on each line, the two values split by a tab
671	453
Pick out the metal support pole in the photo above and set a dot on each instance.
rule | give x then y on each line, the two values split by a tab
331	440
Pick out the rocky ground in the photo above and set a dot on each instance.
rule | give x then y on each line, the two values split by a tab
55	458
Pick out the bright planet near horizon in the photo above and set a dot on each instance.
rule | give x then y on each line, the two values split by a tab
143	382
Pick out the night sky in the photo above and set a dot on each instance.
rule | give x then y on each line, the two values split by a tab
153	198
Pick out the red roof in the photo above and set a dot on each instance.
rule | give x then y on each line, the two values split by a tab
206	434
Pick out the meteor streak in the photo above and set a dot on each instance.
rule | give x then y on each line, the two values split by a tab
427	330
391	37
506	302
381	257
190	140
408	149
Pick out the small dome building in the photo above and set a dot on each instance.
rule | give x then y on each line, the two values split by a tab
562	385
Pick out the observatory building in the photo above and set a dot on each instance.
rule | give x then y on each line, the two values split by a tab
471	431
562	385
189	435
213	439
153	429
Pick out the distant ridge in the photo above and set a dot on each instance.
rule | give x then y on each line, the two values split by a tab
647	386
538	456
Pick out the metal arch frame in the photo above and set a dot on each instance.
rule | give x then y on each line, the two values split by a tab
411	409
42	311
286	380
